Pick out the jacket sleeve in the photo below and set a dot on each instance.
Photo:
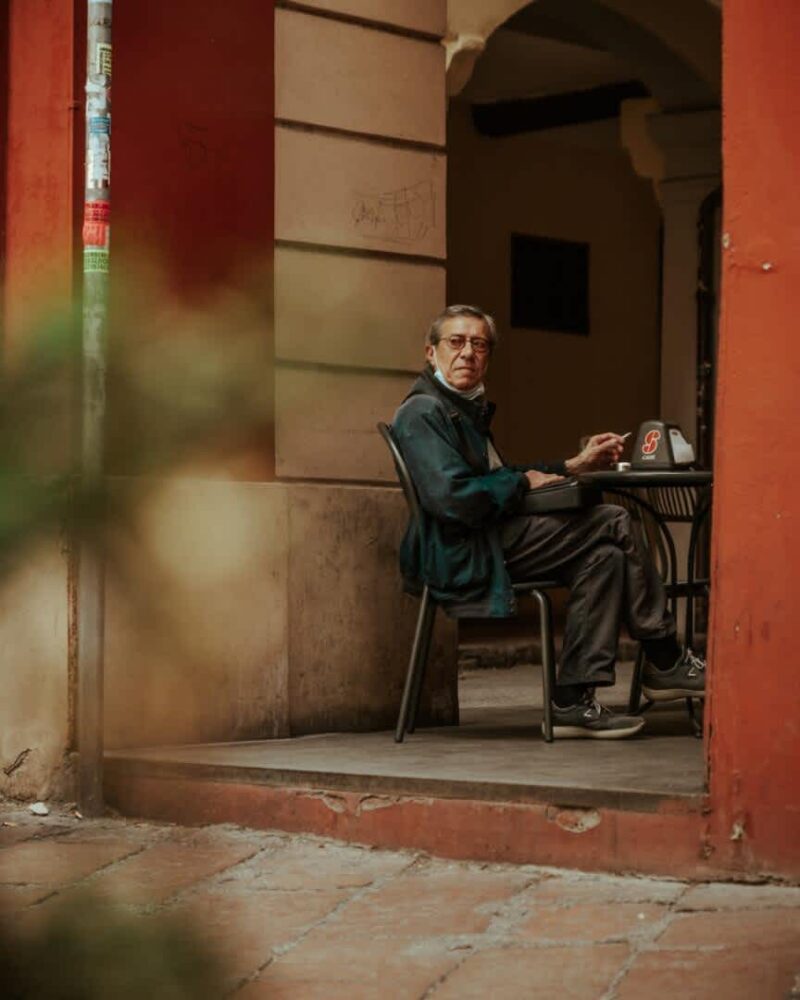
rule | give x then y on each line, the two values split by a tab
555	468
449	488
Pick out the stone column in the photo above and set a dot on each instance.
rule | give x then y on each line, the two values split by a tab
690	144
680	153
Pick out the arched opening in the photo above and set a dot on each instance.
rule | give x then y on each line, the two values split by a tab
583	127
583	212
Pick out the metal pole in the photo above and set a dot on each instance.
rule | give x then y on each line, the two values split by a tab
90	589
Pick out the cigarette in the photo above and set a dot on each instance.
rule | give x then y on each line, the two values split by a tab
627	434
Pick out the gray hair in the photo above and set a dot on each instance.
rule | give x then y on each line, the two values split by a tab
434	334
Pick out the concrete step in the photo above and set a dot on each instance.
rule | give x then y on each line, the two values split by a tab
489	789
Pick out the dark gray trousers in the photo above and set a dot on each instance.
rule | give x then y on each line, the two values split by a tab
611	579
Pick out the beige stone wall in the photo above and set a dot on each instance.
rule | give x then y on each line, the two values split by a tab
574	184
34	704
362	312
259	610
360	225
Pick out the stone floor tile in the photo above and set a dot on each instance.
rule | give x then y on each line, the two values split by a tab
51	862
356	968
605	888
221	834
725	974
17	897
589	921
292	988
154	874
359	950
432	901
308	864
135	833
727	895
244	926
10	835
533	973
728	929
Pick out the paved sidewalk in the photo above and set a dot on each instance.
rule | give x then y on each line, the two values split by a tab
305	918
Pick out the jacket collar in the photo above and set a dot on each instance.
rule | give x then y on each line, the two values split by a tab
478	411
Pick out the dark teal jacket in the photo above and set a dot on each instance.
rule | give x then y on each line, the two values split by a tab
456	549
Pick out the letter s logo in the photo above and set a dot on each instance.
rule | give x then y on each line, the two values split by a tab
650	442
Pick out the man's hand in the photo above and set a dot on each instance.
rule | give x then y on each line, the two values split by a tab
536	479
601	452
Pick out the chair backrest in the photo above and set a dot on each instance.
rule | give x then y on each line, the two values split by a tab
406	482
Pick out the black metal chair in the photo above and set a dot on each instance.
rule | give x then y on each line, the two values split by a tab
687	505
420	648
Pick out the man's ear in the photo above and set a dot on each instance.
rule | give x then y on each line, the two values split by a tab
430	354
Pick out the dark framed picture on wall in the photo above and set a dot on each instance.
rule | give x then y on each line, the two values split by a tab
549	284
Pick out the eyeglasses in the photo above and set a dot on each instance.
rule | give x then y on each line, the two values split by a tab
457	342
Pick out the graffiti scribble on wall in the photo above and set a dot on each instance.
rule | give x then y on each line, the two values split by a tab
402	216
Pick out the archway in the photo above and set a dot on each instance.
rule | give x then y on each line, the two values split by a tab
592	126
595	123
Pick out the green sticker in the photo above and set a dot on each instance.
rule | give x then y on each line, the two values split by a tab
95	260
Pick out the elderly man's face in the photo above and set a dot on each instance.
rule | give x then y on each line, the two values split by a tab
456	356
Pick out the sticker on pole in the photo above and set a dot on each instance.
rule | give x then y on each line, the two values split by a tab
96	216
102	62
99	160
97	211
100	124
95	234
98	98
95	260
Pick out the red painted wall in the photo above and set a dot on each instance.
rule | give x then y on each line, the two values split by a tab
754	721
44	140
192	183
192	145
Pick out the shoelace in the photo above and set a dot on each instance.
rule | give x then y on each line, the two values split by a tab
696	664
594	710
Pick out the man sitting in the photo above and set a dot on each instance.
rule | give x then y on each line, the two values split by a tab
473	542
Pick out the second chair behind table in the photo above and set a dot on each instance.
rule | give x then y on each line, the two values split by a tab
420	648
652	512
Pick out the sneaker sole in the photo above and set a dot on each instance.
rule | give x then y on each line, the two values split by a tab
582	733
670	694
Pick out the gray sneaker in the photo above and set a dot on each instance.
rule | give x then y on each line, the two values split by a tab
687	679
593	721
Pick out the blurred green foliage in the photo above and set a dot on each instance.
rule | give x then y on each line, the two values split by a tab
90	950
184	388
181	385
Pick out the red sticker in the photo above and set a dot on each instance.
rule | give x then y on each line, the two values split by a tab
96	211
95	234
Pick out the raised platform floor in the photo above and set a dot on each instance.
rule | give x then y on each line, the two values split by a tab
496	754
490	788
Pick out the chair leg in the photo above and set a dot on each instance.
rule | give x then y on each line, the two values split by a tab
635	698
413	669
424	653
697	725
548	661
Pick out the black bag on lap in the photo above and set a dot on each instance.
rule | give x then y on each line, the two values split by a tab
564	496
